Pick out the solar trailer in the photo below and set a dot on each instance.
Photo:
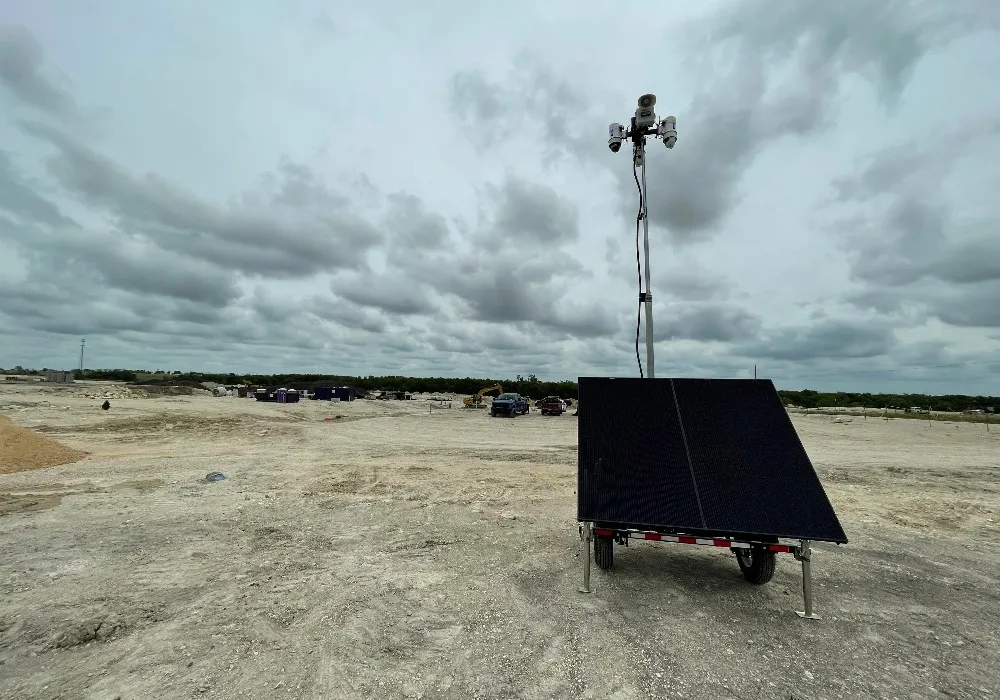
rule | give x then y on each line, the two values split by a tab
713	462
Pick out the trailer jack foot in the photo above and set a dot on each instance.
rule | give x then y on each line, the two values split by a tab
804	555
586	536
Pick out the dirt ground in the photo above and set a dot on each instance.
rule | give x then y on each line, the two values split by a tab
22	449
406	552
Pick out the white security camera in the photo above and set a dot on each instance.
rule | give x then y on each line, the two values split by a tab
644	115
616	134
668	131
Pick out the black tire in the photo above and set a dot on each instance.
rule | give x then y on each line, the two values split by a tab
756	563
604	551
493	413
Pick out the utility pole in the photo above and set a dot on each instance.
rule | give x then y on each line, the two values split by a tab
83	341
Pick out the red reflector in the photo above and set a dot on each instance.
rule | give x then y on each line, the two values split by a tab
778	548
653	536
722	543
687	540
604	533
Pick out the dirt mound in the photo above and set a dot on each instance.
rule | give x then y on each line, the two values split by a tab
22	450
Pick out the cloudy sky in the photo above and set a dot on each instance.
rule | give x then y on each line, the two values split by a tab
426	188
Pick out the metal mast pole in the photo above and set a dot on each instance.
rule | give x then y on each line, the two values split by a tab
644	124
650	371
82	342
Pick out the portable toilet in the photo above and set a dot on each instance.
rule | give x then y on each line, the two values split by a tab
343	393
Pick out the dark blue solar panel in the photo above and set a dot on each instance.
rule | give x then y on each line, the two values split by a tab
715	456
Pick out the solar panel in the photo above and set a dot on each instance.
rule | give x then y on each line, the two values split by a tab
700	456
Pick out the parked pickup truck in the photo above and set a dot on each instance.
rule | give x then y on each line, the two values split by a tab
508	404
552	406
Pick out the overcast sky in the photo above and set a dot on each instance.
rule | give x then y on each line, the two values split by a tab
426	188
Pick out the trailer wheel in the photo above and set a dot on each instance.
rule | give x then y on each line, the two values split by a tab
604	551
756	563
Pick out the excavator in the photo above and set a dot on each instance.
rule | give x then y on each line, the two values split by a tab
477	400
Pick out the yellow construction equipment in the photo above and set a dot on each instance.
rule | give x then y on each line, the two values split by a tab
477	400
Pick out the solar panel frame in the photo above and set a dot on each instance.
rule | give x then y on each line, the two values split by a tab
715	457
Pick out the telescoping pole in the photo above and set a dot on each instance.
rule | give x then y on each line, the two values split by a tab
650	371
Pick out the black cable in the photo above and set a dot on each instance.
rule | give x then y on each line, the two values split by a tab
638	266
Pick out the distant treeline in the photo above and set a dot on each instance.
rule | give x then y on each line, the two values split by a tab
954	402
529	386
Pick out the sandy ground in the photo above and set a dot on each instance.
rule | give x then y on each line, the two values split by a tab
22	449
401	553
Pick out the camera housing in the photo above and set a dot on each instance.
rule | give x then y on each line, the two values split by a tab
668	131
645	117
616	134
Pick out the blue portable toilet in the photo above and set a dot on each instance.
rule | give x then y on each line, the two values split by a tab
343	393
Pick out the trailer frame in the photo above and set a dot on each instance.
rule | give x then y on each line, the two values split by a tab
801	551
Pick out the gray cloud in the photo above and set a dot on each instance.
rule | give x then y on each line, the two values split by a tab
707	322
305	229
515	271
692	282
19	196
741	110
501	293
347	314
531	213
452	344
412	228
510	287
830	339
974	306
917	165
456	337
22	72
392	293
278	312
103	258
76	305
149	271
531	96
914	254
